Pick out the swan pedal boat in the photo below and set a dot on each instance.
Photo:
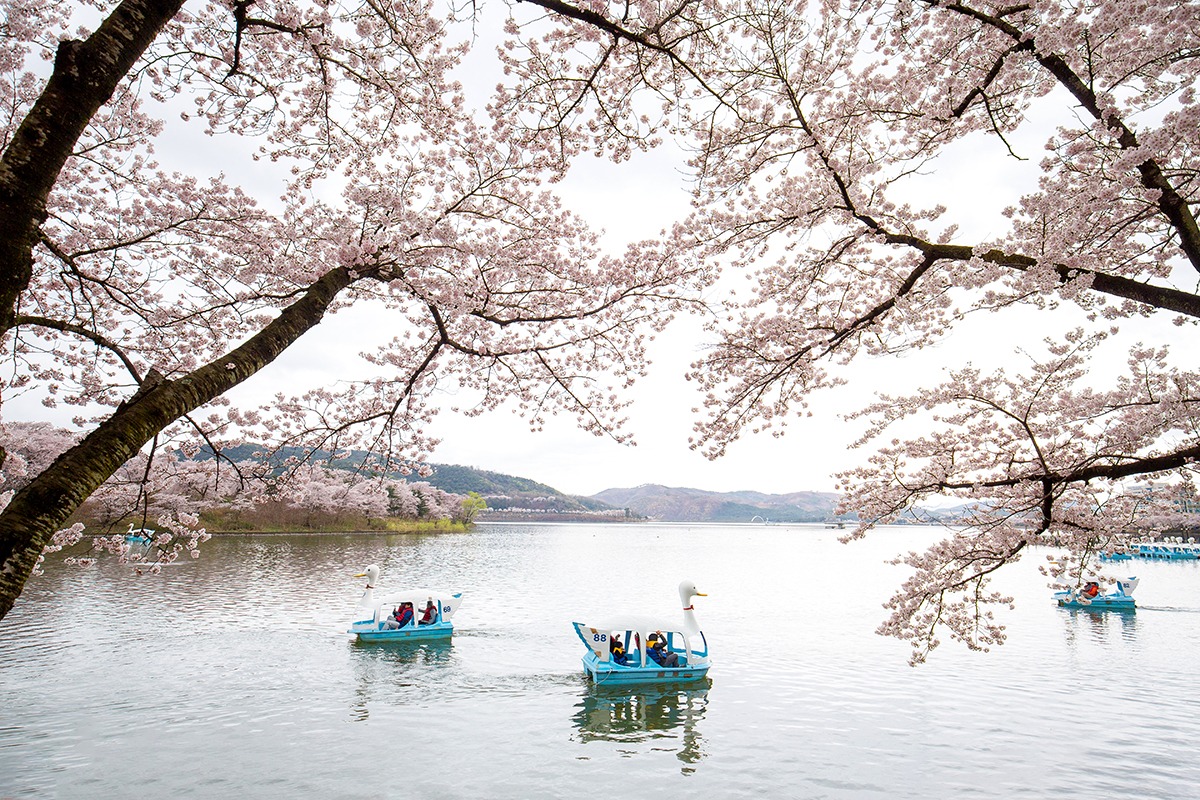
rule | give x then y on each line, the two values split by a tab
1168	552
683	638
1119	600
139	535
373	612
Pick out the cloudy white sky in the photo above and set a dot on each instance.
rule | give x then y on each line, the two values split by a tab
632	201
975	179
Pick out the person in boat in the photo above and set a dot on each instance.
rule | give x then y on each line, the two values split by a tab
656	649
400	617
1091	590
617	650
429	615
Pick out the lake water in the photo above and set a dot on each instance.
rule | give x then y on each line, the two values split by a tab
231	676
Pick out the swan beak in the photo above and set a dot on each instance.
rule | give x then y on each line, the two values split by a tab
361	575
701	594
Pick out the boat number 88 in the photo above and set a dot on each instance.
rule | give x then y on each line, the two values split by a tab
599	637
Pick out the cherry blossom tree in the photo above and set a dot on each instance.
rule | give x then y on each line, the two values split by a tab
142	295
1038	459
172	493
808	124
811	122
39	444
402	500
812	126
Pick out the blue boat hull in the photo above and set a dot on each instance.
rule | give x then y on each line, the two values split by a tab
441	630
1164	553
1101	603
610	674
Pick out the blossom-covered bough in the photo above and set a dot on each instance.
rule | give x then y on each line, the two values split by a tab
143	295
808	126
804	183
811	123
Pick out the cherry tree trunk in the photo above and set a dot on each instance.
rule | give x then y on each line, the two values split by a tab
42	507
84	78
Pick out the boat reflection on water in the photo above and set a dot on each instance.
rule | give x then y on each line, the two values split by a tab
630	715
1099	624
389	671
406	651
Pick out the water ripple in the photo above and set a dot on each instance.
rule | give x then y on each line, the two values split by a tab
234	674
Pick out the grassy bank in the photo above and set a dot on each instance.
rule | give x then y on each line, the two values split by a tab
224	522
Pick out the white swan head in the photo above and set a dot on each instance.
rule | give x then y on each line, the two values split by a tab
371	573
687	590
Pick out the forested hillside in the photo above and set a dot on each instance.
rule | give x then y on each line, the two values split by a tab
509	495
504	493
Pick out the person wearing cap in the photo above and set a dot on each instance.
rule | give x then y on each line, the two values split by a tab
654	649
617	650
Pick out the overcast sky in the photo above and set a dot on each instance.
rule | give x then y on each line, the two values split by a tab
632	201
975	179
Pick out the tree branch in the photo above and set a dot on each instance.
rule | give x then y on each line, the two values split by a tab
1170	202
85	76
42	506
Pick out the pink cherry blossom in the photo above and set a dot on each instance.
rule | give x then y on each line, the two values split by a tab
142	295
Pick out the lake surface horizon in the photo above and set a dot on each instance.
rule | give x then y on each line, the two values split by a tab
233	674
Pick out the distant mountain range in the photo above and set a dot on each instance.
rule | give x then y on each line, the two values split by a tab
511	497
696	505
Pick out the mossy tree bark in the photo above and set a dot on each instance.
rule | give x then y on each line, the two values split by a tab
42	507
85	75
